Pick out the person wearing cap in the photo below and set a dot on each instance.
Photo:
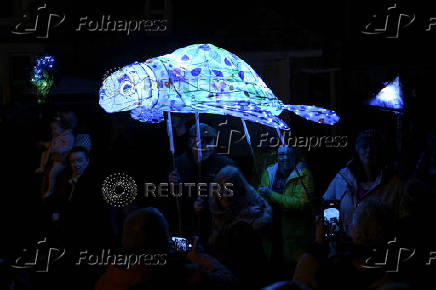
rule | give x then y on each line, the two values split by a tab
365	175
191	170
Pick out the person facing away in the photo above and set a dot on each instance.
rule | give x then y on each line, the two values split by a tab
240	220
287	185
364	176
145	232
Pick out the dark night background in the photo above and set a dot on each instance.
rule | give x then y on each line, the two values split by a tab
307	52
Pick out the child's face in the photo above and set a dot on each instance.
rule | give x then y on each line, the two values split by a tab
56	129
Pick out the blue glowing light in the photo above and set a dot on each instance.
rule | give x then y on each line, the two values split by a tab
314	113
42	64
42	76
390	97
199	78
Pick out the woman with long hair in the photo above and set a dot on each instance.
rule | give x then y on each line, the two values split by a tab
367	174
241	218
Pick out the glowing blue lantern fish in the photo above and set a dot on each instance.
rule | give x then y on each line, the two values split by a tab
390	97
199	78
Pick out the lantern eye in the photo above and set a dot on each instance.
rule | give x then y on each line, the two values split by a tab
126	88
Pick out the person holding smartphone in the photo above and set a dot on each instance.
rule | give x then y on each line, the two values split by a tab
367	174
146	232
349	266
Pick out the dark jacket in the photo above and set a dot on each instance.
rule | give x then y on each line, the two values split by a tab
189	173
239	247
188	169
201	271
319	269
84	215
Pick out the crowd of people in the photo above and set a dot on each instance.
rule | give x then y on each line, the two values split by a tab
268	235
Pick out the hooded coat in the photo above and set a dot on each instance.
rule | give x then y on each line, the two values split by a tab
294	205
344	189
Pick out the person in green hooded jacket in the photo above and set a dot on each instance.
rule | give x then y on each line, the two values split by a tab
288	185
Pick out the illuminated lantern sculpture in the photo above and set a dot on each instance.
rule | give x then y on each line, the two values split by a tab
199	78
42	77
390	97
